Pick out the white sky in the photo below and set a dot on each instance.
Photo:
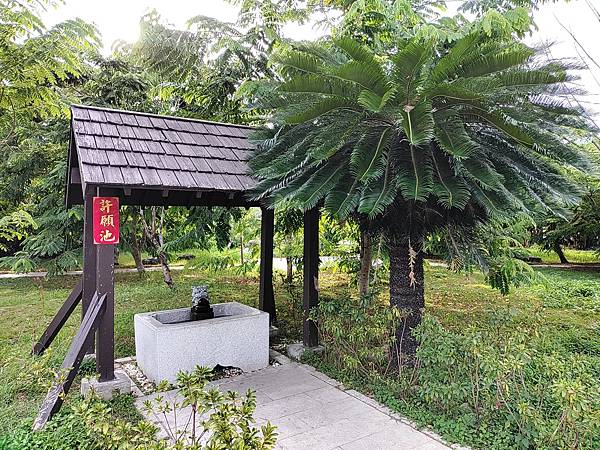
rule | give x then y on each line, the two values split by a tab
119	19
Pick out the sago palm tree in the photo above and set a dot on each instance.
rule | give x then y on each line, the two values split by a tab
424	137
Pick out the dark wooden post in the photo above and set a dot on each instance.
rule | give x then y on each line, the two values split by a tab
105	336
311	274
266	295
89	259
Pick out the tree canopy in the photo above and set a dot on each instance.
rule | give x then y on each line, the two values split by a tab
475	126
421	136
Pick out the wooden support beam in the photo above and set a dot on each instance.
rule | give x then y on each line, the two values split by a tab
59	319
311	275
105	337
105	285
266	295
89	257
72	362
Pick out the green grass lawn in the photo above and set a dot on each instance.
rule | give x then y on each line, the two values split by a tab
574	256
458	300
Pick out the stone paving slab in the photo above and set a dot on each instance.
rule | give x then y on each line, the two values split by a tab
312	411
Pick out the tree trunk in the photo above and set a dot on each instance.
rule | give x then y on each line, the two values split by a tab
136	250
559	251
155	237
137	255
366	260
407	293
290	270
377	260
166	269
242	250
162	256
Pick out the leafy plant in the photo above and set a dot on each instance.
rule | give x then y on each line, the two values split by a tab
15	226
506	385
226	420
357	332
546	400
579	295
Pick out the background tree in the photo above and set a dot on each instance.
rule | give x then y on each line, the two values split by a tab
42	69
581	229
415	140
202	67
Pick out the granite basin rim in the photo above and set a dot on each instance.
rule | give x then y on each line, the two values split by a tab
150	318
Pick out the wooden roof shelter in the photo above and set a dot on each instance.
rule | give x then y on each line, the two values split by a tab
141	155
152	160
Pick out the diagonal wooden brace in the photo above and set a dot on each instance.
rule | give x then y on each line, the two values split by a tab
59	319
72	362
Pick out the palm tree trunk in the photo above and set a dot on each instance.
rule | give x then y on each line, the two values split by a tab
407	293
366	260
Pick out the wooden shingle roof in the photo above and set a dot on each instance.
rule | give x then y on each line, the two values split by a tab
131	150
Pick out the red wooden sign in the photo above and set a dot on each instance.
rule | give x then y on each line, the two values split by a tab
106	220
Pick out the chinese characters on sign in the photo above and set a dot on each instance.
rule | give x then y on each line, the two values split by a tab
106	220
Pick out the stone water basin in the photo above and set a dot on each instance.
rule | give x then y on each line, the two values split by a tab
167	342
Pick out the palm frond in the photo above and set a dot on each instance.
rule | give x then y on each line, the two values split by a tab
418	123
303	114
415	172
496	62
319	184
293	62
378	195
450	190
409	65
451	135
344	197
368	157
366	75
355	50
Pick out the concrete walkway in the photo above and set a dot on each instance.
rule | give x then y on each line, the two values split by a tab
312	411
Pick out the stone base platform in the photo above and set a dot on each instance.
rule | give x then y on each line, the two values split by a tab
106	390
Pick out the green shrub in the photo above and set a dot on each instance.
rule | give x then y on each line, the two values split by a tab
510	382
580	295
357	332
65	431
497	387
225	422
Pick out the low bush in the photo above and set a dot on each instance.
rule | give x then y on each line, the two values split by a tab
356	332
65	431
580	295
499	386
509	386
217	421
